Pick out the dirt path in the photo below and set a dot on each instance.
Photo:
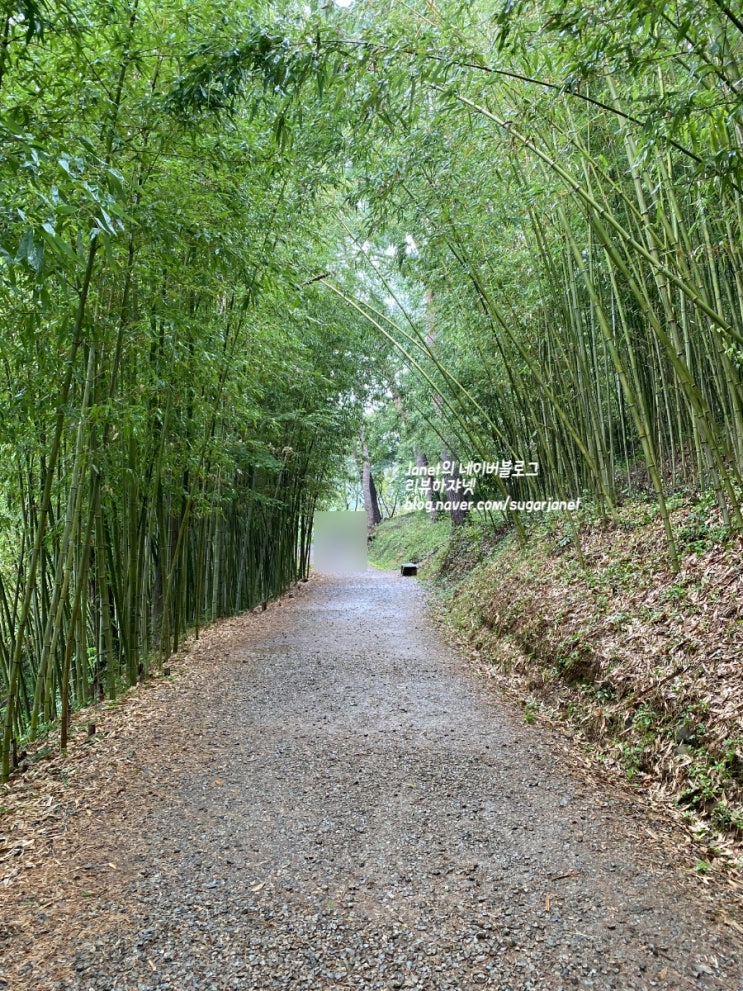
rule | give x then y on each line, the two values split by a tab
324	799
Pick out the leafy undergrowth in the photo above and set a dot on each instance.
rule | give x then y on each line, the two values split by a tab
411	538
642	667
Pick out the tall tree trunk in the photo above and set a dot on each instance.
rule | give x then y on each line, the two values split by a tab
425	486
453	490
371	503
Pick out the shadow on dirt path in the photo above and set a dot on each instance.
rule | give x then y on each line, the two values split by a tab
332	801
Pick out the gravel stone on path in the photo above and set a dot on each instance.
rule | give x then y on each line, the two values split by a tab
334	802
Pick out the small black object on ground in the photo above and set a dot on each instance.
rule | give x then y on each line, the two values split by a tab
408	570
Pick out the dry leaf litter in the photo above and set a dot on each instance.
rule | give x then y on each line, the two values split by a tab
644	668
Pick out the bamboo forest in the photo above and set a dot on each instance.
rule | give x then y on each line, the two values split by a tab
262	259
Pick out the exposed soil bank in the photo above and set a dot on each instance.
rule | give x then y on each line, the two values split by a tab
324	797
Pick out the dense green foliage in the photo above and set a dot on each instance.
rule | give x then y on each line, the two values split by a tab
173	398
572	177
200	292
410	537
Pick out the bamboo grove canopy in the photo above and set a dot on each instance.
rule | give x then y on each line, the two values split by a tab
198	295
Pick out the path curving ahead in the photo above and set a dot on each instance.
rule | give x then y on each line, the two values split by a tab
332	801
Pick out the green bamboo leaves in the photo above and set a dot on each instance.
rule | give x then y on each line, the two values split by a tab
177	383
579	232
173	402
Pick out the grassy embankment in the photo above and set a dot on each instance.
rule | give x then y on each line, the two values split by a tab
642	667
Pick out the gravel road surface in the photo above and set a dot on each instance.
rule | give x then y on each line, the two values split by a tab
332	801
